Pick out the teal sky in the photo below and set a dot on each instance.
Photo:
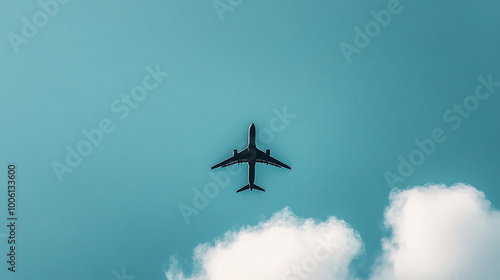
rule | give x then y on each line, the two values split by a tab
119	208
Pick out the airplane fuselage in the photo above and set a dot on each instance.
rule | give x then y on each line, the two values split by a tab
251	161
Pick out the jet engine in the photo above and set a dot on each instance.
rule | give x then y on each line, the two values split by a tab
268	152
235	152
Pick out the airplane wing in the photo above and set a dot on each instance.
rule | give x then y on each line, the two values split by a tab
267	159
238	158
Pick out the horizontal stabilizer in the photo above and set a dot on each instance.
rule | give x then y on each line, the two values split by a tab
244	188
258	188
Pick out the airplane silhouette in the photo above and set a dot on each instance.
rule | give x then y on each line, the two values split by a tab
251	155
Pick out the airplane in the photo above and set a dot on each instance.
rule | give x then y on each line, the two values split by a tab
251	155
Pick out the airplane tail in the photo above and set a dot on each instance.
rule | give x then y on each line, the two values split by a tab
253	187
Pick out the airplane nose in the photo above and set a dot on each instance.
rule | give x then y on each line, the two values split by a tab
251	131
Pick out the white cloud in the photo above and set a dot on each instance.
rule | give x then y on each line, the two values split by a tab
283	247
440	233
